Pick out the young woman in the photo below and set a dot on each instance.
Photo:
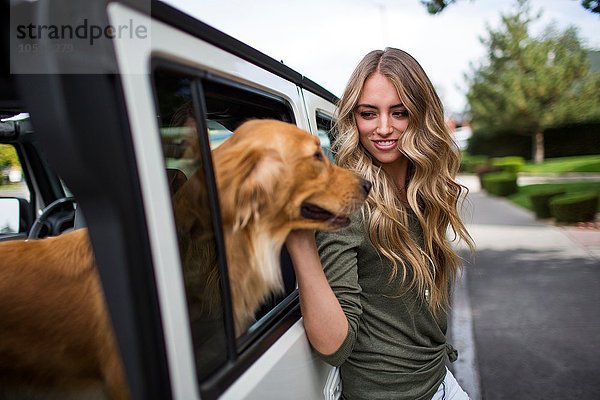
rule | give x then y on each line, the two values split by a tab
375	295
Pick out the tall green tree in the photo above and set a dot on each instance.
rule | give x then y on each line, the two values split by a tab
528	84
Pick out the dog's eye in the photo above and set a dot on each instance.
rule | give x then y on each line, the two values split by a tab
318	156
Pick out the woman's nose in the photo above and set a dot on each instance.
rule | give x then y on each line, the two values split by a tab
384	127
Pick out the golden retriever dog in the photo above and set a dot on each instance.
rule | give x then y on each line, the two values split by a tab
272	177
55	331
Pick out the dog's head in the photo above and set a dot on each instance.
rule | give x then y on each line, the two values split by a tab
273	172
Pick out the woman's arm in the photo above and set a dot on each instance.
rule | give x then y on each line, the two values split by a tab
325	323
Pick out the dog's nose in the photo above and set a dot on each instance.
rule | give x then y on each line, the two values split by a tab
366	185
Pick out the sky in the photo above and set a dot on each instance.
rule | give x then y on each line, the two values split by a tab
325	39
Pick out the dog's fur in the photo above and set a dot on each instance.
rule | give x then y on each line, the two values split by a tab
54	328
272	178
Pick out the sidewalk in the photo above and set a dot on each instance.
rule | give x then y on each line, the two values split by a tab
525	316
586	236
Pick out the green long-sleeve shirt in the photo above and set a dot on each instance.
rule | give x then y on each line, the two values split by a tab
395	348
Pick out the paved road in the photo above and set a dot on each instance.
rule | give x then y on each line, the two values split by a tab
526	316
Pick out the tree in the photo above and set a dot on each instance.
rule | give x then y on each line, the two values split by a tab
591	5
8	156
527	84
437	6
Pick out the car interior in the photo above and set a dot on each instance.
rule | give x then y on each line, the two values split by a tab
43	206
55	176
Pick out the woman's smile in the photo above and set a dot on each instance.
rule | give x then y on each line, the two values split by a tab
385	145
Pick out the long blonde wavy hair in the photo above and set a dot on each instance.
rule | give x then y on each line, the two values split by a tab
432	192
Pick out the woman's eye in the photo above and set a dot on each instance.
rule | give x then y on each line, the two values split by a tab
400	114
367	115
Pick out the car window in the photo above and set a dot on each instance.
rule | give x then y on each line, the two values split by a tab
15	196
181	150
325	132
217	133
189	106
12	180
228	105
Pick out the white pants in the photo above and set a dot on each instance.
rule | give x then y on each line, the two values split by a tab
450	389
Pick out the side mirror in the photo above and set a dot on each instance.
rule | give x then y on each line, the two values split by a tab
14	215
10	215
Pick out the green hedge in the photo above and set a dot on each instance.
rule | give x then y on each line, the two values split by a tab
540	202
469	163
565	164
510	164
483	170
574	207
500	183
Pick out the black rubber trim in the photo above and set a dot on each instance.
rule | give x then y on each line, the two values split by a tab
215	213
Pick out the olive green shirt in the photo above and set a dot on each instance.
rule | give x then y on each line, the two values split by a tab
395	348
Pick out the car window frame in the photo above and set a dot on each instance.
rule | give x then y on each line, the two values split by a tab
243	352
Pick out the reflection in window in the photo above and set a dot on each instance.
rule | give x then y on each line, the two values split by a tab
324	131
217	133
226	106
187	183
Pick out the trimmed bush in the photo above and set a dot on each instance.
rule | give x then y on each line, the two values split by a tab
500	183
509	164
540	202
483	170
589	167
574	207
469	163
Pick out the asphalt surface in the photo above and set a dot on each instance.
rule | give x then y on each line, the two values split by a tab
526	313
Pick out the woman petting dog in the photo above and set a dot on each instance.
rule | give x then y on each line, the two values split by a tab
375	295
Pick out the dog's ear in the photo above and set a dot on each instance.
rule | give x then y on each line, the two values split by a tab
262	169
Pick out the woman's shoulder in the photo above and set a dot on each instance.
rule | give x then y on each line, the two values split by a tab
352	234
356	226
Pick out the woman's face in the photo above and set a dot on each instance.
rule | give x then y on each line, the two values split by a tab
381	119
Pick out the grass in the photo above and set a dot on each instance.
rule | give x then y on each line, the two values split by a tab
521	198
564	165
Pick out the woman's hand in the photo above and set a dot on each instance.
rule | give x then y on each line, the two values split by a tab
300	241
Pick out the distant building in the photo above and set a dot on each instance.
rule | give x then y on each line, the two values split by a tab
461	136
460	129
